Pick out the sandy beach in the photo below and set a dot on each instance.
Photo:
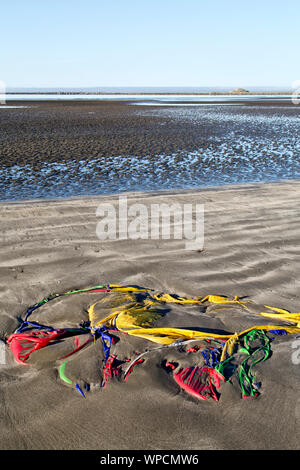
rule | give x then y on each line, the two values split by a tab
149	228
251	250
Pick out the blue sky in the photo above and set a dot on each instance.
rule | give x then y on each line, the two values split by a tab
70	43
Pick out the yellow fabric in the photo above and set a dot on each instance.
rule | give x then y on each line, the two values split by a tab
171	335
131	315
120	288
219	299
283	315
135	313
229	346
174	299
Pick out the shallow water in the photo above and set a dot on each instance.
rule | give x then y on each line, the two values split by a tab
245	146
138	97
4	106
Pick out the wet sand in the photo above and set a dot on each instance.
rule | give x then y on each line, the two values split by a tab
62	149
251	249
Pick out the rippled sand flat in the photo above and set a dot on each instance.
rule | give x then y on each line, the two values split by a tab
251	249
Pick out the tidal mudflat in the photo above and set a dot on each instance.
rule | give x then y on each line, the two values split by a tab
65	148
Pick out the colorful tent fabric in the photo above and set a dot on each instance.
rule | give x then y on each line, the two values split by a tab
134	310
191	380
23	344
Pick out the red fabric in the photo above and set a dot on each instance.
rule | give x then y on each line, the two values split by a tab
138	361
189	380
193	349
111	369
19	343
170	365
98	290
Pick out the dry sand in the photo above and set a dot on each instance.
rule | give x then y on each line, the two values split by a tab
251	249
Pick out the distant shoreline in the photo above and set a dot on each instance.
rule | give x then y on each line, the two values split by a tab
212	93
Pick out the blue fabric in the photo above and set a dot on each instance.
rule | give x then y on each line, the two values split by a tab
278	332
80	391
211	357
